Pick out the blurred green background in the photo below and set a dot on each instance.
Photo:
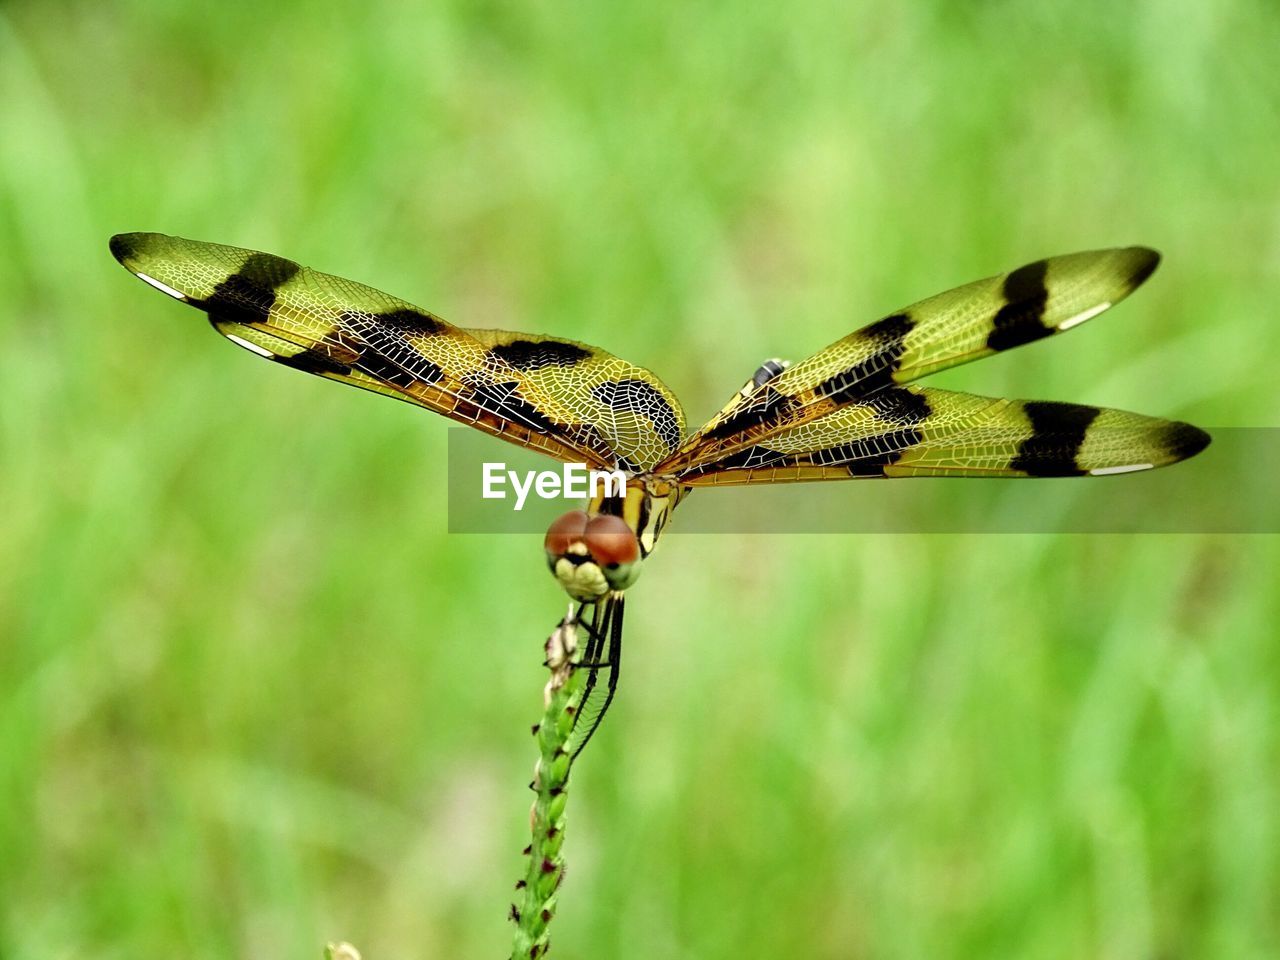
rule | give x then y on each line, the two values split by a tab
253	696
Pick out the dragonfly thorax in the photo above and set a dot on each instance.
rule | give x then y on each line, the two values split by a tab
592	556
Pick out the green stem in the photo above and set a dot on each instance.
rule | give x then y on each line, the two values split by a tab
563	696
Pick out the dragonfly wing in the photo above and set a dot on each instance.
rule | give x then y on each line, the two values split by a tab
346	331
926	432
1035	301
629	406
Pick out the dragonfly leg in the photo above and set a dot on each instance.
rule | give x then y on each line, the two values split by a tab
572	619
595	645
612	626
596	640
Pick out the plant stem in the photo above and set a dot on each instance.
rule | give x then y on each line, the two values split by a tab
562	697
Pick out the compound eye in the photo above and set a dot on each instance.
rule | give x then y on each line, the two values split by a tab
611	542
565	532
613	547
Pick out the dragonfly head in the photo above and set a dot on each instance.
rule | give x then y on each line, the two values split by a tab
592	555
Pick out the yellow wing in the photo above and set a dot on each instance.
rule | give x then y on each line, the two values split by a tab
571	401
980	318
925	432
628	405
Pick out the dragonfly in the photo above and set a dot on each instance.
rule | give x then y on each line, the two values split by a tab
851	411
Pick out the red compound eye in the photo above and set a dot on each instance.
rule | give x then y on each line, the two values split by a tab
565	532
610	541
